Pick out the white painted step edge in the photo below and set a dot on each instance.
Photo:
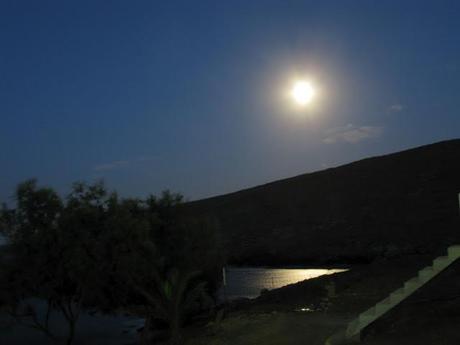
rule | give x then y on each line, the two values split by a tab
397	296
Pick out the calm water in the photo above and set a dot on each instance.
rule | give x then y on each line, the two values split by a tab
247	282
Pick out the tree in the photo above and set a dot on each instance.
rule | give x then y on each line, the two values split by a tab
97	251
170	299
170	266
51	253
29	265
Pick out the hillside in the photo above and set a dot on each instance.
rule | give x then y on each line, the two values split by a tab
397	204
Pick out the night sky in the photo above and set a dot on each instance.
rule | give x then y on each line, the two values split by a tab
190	95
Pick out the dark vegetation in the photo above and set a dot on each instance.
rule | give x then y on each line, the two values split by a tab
399	204
94	251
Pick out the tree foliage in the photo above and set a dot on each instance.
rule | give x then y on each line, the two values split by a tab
94	250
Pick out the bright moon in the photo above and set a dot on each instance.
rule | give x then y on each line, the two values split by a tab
302	92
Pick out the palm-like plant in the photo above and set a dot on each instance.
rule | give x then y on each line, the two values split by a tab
171	299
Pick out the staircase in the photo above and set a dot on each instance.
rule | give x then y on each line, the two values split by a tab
352	332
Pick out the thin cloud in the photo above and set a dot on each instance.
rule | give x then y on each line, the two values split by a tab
352	134
396	108
110	166
121	163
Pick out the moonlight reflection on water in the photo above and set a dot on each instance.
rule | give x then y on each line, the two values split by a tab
248	281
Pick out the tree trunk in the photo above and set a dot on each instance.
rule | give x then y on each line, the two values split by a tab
176	338
71	334
145	335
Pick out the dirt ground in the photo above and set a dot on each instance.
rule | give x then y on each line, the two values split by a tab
274	328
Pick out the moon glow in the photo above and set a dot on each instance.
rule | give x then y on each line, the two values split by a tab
302	92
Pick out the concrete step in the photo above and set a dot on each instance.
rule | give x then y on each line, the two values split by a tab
426	274
412	285
383	306
354	328
397	296
441	262
367	317
454	252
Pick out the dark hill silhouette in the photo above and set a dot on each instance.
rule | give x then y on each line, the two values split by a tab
398	204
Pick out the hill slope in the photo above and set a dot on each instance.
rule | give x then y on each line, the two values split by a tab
400	203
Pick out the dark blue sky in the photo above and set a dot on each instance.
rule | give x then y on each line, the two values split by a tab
187	95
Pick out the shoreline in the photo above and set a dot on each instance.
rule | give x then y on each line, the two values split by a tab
275	316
